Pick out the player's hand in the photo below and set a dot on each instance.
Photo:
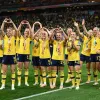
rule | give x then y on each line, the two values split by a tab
76	24
9	20
83	22
24	22
98	51
5	20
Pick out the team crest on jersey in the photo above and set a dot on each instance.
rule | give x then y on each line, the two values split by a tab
61	62
98	58
14	59
27	56
49	62
77	62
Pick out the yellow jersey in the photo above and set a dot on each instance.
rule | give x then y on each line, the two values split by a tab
73	55
9	45
17	44
98	44
58	50
24	45
86	46
35	49
66	51
95	44
1	50
44	49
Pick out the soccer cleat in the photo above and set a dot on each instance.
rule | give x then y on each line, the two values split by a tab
71	87
26	84
54	86
2	87
35	84
19	84
43	85
12	87
87	82
77	88
67	81
51	87
61	87
96	83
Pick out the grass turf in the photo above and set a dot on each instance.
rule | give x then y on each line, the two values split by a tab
86	92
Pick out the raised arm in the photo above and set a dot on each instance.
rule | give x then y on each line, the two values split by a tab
84	28
15	28
45	29
2	26
30	29
19	28
36	33
78	29
52	34
34	26
64	34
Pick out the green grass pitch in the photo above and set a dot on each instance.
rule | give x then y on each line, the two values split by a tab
86	92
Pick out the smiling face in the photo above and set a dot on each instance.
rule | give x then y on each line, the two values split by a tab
58	36
95	31
44	35
73	35
26	32
9	31
90	32
69	31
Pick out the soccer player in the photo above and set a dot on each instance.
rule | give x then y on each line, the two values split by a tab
8	52
85	54
58	56
24	51
35	55
94	46
51	51
69	31
44	53
73	48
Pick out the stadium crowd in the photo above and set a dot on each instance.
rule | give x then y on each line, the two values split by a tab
61	17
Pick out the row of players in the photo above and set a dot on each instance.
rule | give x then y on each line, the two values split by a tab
14	44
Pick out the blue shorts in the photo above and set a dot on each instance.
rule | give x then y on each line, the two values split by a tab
85	58
23	58
45	62
1	59
66	56
73	63
9	59
98	58
57	62
94	57
35	61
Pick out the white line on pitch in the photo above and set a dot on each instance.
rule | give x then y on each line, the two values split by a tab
35	95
